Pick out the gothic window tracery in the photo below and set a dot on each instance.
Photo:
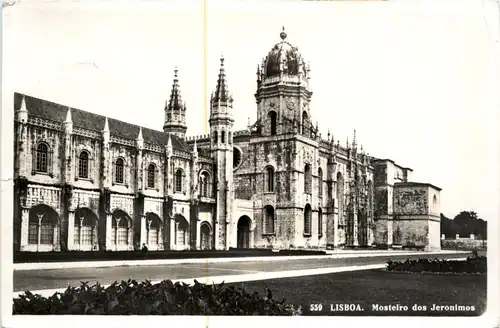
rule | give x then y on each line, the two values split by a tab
320	183
119	166
273	118
205	185
83	164
269	179
320	222
178	180
151	175
307	219
268	219
307	179
42	156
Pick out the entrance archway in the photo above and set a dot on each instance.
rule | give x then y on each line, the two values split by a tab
205	236
243	234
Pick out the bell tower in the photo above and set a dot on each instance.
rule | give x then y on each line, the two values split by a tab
221	142
175	111
283	93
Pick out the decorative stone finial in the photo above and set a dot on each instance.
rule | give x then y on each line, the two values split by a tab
68	116
106	125
283	34
139	136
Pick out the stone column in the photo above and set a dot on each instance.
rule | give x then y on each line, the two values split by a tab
198	231
71	226
390	224
355	226
109	236
172	234
55	240
24	227
250	235
145	225
217	235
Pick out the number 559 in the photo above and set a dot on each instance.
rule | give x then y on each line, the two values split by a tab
315	307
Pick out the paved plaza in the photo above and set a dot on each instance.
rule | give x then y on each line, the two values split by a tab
49	280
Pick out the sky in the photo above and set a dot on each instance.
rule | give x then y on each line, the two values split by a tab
418	80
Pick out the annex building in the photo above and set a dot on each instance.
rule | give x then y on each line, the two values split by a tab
88	182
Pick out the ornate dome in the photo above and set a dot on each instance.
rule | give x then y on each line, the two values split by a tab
285	58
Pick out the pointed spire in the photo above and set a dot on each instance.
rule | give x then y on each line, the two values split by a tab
68	116
106	126
175	110
221	93
195	149
140	140
23	105
175	103
22	113
139	136
354	145
169	142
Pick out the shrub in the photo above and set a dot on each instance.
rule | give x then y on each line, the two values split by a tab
471	265
165	298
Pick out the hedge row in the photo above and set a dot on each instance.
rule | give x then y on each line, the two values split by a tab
75	256
476	264
165	298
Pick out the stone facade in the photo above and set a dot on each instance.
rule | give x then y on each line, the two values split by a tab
87	182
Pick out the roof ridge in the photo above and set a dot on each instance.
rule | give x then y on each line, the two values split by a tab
84	119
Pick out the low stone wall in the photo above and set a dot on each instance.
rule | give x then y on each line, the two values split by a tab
465	244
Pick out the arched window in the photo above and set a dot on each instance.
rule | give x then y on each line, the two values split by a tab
268	219
178	180
320	222
151	175
153	231
305	126
229	140
83	230
307	219
340	197
83	165
122	232
215	137
223	137
43	225
119	170
42	156
307	179
272	118
320	183
205	185
269	179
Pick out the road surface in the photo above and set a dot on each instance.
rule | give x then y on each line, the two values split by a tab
61	278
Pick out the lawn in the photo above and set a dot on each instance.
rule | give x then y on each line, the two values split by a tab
317	294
